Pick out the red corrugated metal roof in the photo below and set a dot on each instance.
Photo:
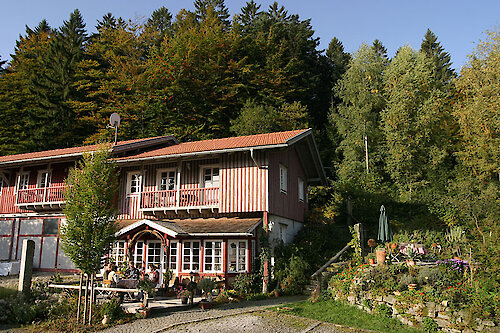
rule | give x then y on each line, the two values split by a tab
220	144
63	151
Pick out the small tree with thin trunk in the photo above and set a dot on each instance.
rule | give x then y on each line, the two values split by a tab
90	213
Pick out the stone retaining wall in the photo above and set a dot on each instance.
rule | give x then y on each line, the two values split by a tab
448	319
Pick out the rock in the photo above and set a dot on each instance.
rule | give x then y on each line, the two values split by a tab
441	322
488	323
351	299
390	299
442	315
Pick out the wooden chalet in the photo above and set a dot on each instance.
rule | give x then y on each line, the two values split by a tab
194	207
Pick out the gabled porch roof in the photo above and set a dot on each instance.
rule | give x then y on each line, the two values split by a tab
198	227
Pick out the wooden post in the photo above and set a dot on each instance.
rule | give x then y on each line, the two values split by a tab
79	302
91	300
86	299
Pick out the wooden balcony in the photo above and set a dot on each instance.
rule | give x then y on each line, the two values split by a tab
183	199
51	197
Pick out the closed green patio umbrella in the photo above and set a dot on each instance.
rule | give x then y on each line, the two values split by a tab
384	228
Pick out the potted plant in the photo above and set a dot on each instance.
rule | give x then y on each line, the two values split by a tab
147	288
183	294
410	255
381	254
206	286
371	258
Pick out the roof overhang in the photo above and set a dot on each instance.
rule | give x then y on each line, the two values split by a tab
118	149
244	227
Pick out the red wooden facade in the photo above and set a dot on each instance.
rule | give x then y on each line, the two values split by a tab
161	179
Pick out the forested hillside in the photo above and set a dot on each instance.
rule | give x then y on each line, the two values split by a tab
409	131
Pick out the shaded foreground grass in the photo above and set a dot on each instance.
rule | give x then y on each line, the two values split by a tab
338	313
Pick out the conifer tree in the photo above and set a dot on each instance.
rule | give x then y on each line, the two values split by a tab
159	25
441	59
379	49
217	6
55	88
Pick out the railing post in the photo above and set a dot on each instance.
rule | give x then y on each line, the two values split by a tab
178	186
45	194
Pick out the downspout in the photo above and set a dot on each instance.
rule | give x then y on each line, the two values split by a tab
255	161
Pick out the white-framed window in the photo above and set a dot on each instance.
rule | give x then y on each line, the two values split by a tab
191	256
301	189
23	181
172	255
237	256
212	256
44	178
139	254
210	176
283	178
118	252
153	256
166	179
134	182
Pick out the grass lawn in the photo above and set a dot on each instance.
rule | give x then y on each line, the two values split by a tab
338	313
7	292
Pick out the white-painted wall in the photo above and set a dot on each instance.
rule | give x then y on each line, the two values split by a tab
282	228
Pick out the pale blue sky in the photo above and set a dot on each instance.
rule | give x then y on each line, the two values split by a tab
459	24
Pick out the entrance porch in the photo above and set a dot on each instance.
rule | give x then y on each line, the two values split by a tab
219	248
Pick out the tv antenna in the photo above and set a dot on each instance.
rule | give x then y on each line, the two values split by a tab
114	122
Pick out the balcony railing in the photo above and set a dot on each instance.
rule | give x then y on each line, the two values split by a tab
45	196
183	198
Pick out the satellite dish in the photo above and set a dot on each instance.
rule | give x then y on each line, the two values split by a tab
114	120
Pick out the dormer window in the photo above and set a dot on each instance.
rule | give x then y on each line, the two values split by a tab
283	178
134	182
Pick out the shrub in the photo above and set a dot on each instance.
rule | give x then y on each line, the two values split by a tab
384	310
257	297
248	283
296	276
430	326
206	285
429	275
112	309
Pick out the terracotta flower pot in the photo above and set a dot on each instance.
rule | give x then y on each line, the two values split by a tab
380	254
205	305
371	261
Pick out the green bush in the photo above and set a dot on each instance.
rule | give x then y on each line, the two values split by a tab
112	309
257	297
430	326
248	283
384	310
206	285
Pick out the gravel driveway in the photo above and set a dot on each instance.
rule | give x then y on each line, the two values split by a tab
234	317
